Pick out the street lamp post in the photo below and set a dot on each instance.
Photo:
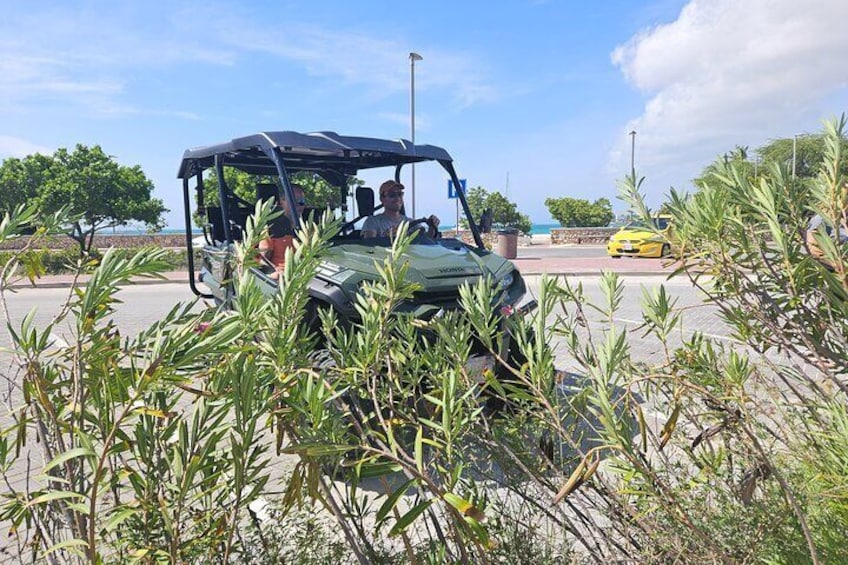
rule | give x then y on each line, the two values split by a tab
633	154
412	58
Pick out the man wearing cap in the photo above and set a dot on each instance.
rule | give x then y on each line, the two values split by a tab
386	224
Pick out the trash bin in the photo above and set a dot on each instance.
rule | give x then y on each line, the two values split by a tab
508	243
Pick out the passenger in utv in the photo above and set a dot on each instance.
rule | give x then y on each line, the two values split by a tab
281	232
816	223
386	223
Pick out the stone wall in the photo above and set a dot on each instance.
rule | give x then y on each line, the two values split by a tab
489	239
561	236
106	241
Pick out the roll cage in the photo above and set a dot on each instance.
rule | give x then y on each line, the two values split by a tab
332	156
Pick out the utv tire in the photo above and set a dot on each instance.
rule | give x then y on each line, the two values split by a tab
495	405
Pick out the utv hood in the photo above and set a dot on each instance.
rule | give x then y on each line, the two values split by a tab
428	264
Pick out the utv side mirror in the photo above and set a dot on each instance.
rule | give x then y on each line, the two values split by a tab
486	221
364	200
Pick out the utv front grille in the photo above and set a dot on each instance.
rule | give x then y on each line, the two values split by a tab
446	299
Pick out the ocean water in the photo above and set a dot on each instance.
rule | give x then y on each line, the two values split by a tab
542	228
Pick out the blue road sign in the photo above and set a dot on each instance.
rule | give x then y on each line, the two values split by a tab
452	189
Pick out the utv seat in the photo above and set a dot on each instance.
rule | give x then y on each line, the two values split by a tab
215	223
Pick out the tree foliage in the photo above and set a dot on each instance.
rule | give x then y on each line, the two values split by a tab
21	180
578	213
318	192
504	212
100	192
776	156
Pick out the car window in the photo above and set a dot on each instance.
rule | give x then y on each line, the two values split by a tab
659	223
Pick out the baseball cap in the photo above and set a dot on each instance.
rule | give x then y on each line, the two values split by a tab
389	185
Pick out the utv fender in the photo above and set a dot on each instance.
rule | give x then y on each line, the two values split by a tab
330	294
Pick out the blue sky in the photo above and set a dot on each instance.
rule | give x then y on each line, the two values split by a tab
532	98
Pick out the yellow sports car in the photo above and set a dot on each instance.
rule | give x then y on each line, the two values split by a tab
639	240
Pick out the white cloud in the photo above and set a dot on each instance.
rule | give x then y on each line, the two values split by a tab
16	147
727	73
88	57
85	58
376	63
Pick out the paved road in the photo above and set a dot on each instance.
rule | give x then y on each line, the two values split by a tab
583	260
697	316
145	304
561	251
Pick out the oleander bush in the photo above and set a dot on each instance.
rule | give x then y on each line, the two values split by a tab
239	436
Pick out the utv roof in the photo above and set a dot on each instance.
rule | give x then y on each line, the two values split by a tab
308	152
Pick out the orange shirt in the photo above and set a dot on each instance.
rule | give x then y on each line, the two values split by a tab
277	250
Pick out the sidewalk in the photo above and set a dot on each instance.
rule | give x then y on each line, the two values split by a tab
589	266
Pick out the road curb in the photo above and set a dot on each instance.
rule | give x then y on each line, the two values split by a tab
597	274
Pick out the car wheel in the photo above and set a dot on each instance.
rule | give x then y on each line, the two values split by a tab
666	250
616	256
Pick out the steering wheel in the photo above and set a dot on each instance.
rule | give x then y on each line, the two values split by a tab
431	227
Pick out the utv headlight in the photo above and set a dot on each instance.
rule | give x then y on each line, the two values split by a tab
506	281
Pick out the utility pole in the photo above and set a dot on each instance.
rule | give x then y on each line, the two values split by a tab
412	58
633	154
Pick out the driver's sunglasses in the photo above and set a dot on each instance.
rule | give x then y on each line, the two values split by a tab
394	194
300	202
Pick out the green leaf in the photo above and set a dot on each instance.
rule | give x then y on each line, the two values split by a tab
74	545
457	502
392	501
371	470
479	531
118	517
54	495
407	519
68	455
315	449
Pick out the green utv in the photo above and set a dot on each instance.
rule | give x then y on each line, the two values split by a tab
438	264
